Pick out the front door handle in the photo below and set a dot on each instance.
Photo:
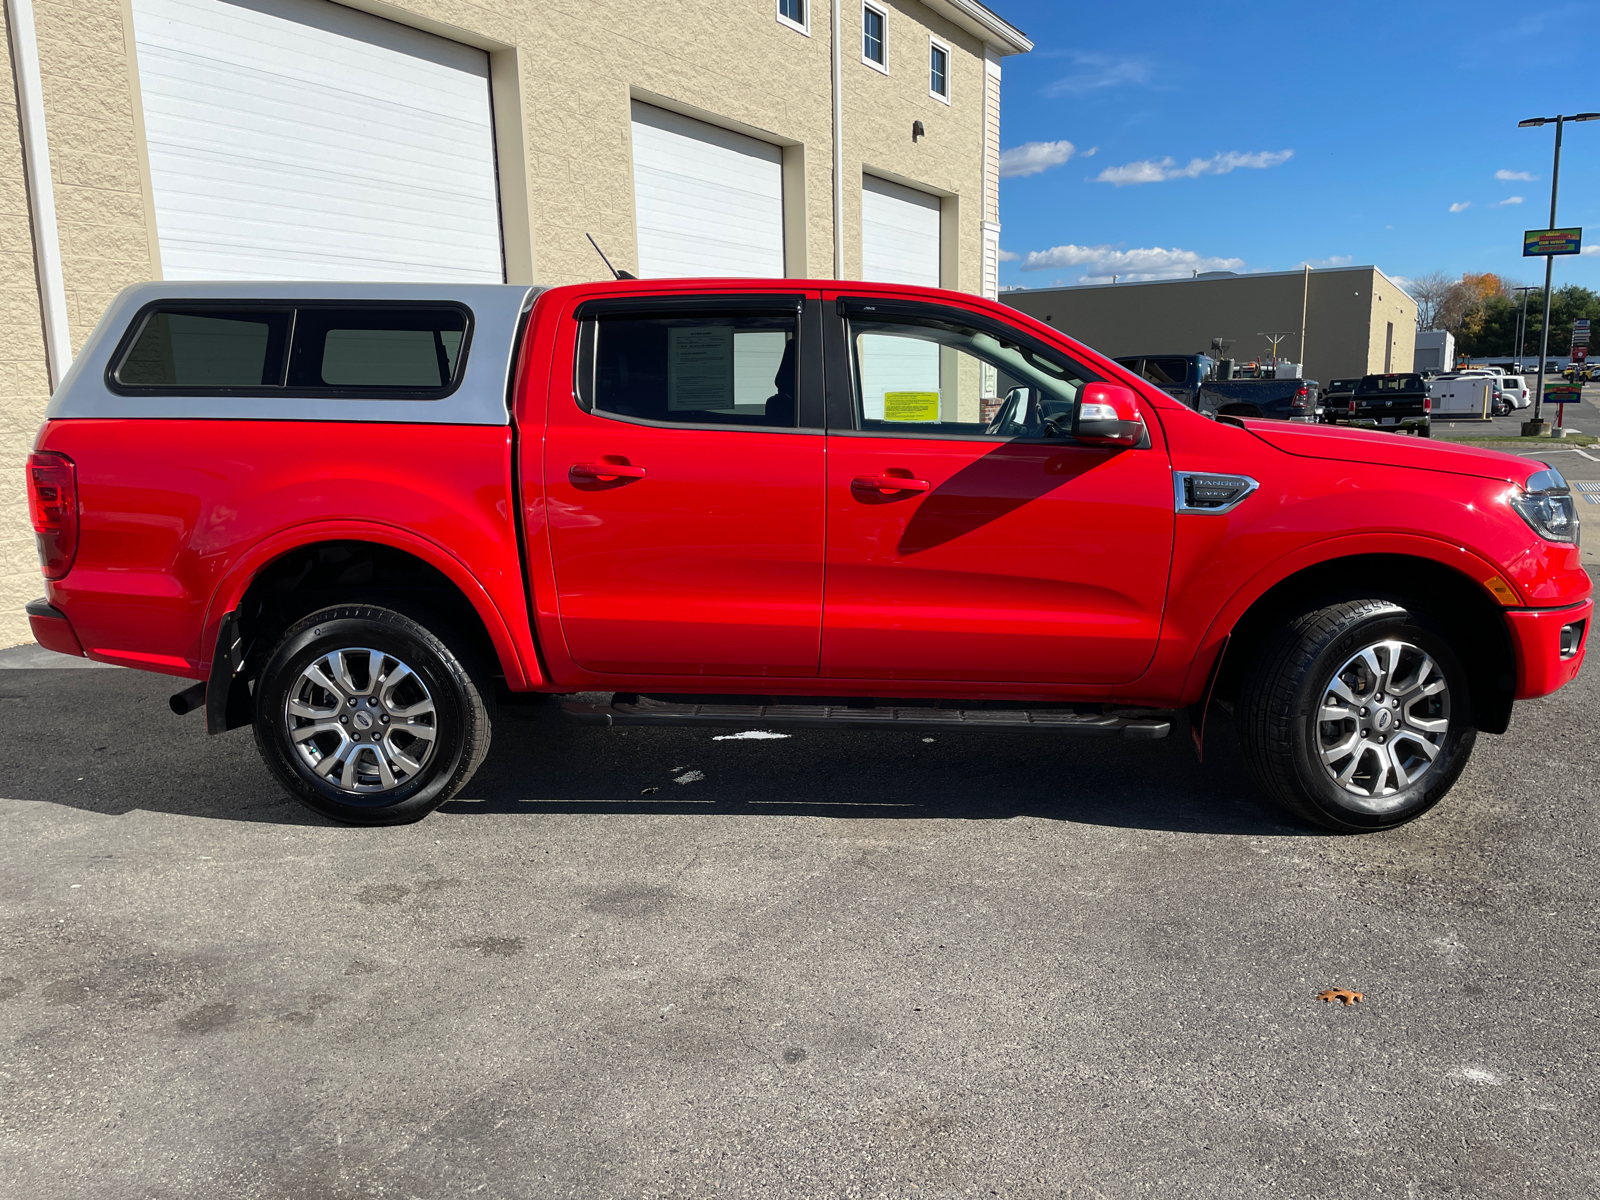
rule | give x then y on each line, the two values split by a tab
604	472
889	483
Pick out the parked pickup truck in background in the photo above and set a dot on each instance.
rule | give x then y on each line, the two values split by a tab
1397	402
1192	379
358	517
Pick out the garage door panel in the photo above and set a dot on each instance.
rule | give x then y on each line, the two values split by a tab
295	139
899	234
707	201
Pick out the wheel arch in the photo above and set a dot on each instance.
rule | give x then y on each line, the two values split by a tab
1449	596
283	579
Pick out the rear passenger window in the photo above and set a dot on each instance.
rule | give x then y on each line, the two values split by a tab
392	351
212	348
376	347
1167	372
692	370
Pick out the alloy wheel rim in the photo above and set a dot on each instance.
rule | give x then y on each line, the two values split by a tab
362	720
1381	722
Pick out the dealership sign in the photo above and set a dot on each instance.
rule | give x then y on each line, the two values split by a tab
1541	243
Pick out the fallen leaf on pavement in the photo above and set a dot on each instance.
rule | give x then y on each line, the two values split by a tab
1343	995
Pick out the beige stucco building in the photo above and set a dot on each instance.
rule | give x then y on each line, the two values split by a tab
476	141
1341	322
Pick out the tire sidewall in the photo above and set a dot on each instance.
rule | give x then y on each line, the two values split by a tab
1322	791
376	629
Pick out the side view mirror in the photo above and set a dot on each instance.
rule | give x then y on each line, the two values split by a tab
1108	415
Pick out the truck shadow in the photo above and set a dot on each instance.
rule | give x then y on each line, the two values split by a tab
105	742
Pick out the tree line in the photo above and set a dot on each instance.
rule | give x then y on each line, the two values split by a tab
1482	310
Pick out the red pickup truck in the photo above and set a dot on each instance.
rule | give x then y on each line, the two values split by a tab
359	514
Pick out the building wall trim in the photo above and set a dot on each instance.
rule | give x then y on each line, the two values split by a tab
41	190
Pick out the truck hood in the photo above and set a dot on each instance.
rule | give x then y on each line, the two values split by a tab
1392	450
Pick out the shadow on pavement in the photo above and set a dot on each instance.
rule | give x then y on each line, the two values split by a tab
105	742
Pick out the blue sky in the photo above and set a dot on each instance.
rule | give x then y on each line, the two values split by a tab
1153	140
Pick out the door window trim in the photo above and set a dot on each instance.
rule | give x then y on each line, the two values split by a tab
807	311
841	401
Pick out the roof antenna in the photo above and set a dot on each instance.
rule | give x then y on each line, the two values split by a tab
615	274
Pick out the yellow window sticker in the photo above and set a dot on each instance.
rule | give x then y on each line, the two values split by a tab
911	406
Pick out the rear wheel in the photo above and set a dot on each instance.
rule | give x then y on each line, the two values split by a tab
367	716
1357	716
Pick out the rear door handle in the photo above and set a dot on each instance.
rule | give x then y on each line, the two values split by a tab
889	483
605	472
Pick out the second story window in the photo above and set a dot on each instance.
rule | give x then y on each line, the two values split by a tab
793	13
874	47
939	71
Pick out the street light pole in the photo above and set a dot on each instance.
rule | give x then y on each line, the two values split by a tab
1533	427
1522	326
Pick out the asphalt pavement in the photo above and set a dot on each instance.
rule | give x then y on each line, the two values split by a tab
656	963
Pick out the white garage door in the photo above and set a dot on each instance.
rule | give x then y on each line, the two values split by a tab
899	234
707	201
298	139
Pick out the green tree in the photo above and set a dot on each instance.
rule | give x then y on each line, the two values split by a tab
1490	328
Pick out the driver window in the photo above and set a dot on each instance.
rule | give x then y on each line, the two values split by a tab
930	377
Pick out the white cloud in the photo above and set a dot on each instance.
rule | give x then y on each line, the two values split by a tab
1506	201
1008	256
1096	72
1151	171
1100	263
1090	152
1337	260
1509	176
1031	158
1461	206
1592	250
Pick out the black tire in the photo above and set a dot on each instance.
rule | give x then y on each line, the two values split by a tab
445	744
1280	707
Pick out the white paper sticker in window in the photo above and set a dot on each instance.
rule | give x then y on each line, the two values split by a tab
699	367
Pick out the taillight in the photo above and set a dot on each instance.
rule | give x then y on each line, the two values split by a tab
1427	404
53	505
1299	400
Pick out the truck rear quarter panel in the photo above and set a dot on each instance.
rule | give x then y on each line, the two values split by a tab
177	517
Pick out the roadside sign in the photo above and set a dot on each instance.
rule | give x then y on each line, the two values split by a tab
1563	393
1580	353
1541	243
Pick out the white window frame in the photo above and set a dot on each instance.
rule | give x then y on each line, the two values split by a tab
797	26
883	13
949	62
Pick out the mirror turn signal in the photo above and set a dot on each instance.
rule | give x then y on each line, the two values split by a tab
1108	415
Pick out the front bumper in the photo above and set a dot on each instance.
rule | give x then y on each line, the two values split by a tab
51	629
1536	638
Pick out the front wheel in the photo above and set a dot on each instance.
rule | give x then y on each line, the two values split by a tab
1356	716
368	717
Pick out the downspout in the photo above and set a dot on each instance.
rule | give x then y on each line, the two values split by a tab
838	148
41	192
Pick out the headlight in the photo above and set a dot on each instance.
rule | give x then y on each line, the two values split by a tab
1547	505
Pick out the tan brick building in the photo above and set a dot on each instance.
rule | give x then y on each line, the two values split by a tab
1341	322
475	141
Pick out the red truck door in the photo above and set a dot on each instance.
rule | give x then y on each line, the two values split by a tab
684	489
1009	553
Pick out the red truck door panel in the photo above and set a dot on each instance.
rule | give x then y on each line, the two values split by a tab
1011	556
684	502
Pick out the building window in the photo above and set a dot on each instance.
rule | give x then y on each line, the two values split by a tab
874	39
939	71
793	14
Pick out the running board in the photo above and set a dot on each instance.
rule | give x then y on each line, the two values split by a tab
838	716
